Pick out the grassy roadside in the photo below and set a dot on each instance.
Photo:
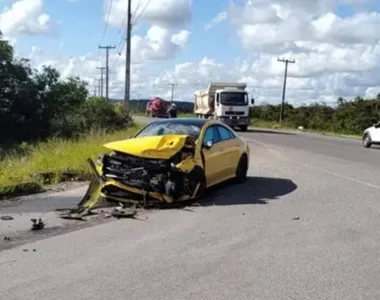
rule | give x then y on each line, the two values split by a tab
283	126
53	162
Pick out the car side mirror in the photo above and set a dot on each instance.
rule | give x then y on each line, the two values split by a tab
252	101
208	145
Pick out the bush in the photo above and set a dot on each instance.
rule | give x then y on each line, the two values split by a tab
348	117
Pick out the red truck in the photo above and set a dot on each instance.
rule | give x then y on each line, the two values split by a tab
157	107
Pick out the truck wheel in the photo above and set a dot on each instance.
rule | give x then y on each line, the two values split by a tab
244	128
367	140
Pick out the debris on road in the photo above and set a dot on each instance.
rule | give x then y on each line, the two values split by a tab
6	218
121	212
7	238
38	224
295	218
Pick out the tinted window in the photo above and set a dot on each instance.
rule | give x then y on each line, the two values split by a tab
210	135
154	129
225	134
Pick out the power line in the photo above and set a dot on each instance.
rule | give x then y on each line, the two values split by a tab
286	61
107	48
107	21
142	11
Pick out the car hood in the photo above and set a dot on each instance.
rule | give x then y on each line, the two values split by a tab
160	147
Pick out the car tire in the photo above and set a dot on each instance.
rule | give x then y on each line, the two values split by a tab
244	128
198	175
367	140
242	169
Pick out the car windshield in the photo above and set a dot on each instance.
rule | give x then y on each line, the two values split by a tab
155	129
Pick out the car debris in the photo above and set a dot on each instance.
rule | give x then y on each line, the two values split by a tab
38	224
6	218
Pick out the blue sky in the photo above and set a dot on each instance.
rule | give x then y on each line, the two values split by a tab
82	24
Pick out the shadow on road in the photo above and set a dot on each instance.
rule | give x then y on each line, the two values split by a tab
257	190
270	132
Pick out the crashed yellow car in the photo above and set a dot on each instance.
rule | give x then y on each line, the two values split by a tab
168	160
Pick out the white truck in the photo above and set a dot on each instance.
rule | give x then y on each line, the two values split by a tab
227	102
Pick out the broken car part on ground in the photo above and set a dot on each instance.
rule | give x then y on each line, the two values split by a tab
148	171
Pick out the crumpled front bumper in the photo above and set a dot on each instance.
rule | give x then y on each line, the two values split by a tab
100	190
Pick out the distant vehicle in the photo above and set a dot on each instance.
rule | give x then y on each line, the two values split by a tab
226	102
157	107
371	135
167	161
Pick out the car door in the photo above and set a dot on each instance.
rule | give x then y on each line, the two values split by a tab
375	133
230	151
211	155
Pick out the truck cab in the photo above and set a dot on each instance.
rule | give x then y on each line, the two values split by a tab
227	102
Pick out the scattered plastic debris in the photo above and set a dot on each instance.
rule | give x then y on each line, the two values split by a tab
38	224
6	218
121	212
7	238
295	218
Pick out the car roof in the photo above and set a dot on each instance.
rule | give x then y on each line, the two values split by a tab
184	121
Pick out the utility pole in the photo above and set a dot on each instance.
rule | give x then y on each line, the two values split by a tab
107	48
286	61
101	80
99	87
138	102
95	87
127	92
172	94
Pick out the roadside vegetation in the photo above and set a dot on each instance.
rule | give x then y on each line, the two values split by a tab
347	118
49	126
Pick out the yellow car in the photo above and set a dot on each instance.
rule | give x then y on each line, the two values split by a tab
166	161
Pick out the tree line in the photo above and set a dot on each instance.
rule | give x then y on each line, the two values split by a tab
37	105
348	116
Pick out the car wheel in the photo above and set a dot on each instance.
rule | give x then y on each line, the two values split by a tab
367	140
196	176
244	128
242	169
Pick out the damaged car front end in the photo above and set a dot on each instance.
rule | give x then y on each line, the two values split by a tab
145	171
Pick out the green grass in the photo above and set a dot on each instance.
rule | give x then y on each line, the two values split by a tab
283	126
53	161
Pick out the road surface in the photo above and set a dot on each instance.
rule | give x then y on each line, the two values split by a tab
305	226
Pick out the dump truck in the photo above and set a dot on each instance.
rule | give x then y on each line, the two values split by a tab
227	102
157	107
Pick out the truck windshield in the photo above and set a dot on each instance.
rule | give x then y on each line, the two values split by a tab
233	98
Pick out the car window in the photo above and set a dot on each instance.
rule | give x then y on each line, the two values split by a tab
224	133
210	135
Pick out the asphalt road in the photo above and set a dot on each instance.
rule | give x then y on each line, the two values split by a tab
305	226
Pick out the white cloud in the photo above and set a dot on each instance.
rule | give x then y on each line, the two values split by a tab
334	56
164	13
24	17
220	17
